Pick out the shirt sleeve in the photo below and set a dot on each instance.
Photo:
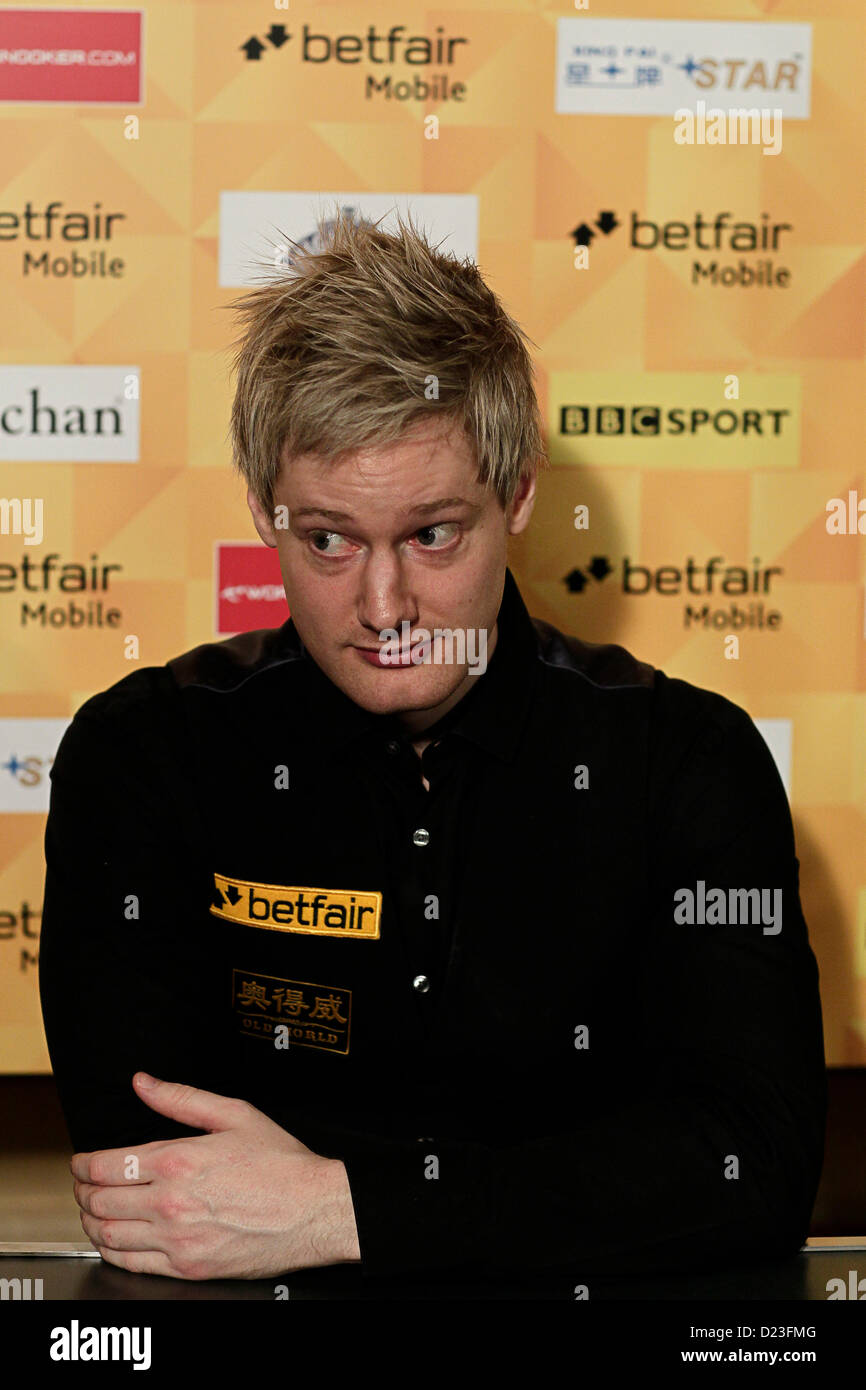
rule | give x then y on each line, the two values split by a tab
717	1156
120	970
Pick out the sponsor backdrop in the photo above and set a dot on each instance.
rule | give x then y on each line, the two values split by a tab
668	196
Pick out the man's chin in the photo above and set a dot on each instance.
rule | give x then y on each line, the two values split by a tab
398	691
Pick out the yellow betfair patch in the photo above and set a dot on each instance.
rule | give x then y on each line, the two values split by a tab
312	911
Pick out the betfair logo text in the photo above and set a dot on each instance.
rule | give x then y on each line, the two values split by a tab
312	911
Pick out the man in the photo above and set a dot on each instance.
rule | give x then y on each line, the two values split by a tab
439	963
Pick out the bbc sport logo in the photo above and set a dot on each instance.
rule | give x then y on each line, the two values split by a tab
665	420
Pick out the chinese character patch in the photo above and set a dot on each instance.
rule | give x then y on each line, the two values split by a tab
317	1016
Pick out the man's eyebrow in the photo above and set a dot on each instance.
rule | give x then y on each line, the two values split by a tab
440	504
422	509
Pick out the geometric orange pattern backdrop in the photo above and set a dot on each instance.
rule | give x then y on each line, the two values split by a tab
631	355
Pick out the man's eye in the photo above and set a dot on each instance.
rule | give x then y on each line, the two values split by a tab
324	536
431	531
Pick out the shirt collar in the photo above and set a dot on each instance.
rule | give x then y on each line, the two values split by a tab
491	714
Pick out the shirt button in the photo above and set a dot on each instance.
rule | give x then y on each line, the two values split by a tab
393	746
421	837
421	983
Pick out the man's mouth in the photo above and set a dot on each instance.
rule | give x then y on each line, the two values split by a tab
389	657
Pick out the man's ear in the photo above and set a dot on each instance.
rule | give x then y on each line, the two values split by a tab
263	522
520	508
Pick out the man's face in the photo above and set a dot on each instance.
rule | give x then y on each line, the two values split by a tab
387	536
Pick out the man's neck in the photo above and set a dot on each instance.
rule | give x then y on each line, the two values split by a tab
415	722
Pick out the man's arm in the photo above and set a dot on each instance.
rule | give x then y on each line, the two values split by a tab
243	1200
118	966
717	1157
125	985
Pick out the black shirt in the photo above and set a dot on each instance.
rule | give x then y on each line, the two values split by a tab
504	1028
422	830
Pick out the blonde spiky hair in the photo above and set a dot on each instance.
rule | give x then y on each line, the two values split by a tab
355	342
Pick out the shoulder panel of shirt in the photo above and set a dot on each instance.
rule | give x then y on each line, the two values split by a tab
224	666
140	717
146	701
604	664
124	764
688	725
609	666
130	709
141	713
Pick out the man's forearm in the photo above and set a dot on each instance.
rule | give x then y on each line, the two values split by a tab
335	1234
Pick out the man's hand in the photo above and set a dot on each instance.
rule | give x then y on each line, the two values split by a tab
244	1201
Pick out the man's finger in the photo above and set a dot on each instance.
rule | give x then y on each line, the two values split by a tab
140	1262
188	1105
116	1166
120	1235
131	1202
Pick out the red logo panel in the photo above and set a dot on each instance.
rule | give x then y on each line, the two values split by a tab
79	56
249	588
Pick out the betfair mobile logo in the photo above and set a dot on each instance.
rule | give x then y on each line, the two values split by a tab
712	579
720	234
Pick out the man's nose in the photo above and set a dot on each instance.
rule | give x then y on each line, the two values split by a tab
385	598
